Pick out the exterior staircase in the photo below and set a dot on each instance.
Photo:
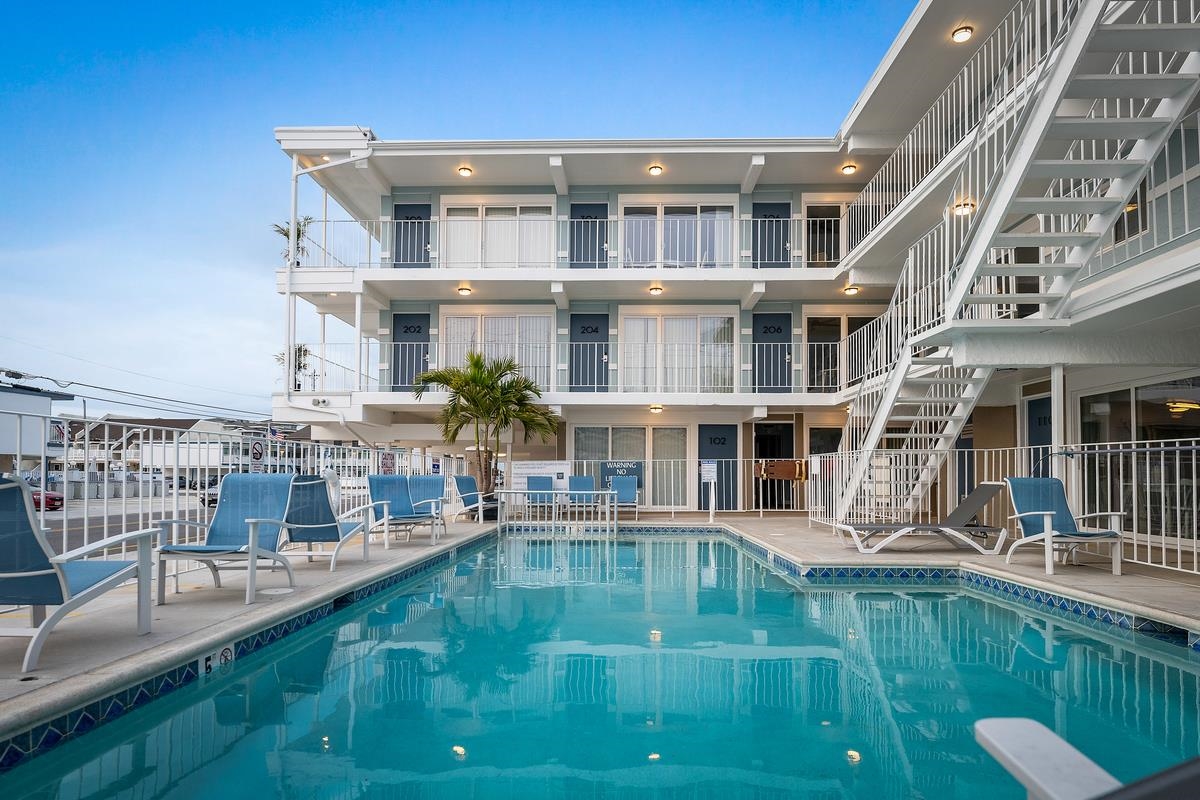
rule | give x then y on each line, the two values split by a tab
1092	90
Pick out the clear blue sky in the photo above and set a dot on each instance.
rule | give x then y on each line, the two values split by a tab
141	176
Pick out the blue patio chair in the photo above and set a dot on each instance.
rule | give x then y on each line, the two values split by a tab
392	503
473	500
244	532
1041	508
581	490
626	487
312	520
428	493
539	493
31	574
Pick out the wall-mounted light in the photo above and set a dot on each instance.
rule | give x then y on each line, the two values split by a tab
655	170
656	409
655	291
465	172
464	291
964	208
961	34
849	169
850	290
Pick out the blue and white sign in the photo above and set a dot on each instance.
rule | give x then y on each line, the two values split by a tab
708	471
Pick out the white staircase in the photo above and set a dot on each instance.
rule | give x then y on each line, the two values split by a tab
1090	95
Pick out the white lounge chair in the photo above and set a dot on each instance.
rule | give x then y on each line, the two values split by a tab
955	527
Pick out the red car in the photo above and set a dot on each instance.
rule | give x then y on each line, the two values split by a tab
54	500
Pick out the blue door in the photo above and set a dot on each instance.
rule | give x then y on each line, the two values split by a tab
720	442
589	235
589	353
1039	435
411	241
771	236
410	349
772	352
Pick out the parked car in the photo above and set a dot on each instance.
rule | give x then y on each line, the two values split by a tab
211	495
53	500
181	482
199	483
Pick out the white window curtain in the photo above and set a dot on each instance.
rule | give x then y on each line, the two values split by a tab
591	447
669	468
500	337
628	444
500	236
641	236
716	236
679	236
639	362
533	346
537	237
716	354
460	237
679	354
459	338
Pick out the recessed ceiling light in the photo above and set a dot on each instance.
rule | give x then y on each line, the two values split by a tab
655	409
655	170
465	172
850	290
333	294
849	169
962	34
324	158
465	291
656	290
964	208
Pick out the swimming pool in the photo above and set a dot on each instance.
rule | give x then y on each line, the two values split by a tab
665	667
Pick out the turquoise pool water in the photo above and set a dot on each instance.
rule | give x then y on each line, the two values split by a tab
649	668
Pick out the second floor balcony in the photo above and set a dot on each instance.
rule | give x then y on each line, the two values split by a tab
617	366
693	237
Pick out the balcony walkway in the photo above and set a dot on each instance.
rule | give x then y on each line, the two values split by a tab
96	650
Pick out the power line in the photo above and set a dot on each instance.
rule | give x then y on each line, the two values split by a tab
127	371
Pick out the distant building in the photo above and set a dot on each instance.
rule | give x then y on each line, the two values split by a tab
40	434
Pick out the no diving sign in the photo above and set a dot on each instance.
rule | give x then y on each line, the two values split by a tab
256	456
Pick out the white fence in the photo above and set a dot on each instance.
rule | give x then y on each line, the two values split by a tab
685	238
555	511
1153	483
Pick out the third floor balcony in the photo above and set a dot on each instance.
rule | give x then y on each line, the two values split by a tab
689	237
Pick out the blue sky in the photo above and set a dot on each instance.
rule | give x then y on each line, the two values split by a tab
141	175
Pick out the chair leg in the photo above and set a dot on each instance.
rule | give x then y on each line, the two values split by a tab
37	615
1048	542
162	581
216	573
1117	546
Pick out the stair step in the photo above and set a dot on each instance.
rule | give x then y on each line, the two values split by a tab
1085	167
1044	239
942	379
1064	205
1146	38
1030	270
1106	127
1015	298
907	418
1098	87
940	361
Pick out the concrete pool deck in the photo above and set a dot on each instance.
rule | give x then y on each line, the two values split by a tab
97	650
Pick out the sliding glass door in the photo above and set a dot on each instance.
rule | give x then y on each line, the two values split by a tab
678	354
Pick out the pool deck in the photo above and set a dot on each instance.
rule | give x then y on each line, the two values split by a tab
96	650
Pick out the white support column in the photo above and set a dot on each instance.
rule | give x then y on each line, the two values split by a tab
1058	407
358	341
289	346
325	227
321	373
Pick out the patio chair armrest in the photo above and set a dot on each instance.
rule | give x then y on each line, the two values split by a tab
359	509
1096	514
1045	764
1025	514
260	521
436	502
104	544
165	523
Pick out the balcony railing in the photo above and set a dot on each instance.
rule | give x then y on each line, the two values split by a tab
616	366
686	242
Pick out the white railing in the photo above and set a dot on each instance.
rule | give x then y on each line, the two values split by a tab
116	477
672	242
616	366
1152	482
558	512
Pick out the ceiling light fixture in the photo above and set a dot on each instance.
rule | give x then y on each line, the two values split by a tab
962	34
850	290
849	169
324	158
465	172
655	170
464	291
1179	406
656	409
333	294
656	290
965	208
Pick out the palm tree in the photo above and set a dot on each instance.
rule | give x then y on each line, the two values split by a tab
285	230
489	396
300	363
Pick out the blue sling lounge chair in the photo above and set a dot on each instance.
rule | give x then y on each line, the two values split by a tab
1041	507
626	487
312	520
244	532
539	494
31	574
392	503
474	501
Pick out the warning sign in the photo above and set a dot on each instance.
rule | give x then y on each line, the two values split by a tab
257	451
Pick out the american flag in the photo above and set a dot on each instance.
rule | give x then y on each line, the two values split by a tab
276	434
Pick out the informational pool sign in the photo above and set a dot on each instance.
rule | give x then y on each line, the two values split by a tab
519	471
257	456
610	469
387	463
708	471
435	467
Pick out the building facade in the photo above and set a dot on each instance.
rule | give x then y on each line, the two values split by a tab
996	249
